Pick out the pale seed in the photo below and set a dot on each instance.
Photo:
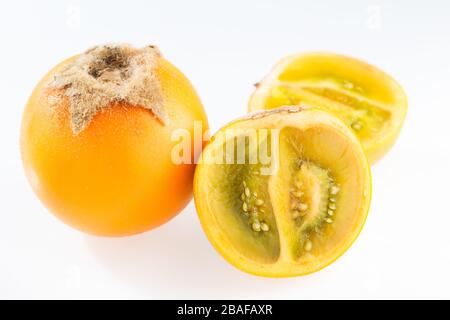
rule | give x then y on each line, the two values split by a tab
256	226
334	190
356	126
297	194
259	202
264	227
348	85
308	245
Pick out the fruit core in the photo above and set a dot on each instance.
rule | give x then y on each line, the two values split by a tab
313	195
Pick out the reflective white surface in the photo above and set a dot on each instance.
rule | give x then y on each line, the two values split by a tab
403	251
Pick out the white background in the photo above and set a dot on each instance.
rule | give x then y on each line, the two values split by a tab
224	47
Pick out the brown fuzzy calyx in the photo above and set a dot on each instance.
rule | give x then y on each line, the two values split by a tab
105	75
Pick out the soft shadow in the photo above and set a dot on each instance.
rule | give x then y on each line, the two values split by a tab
177	261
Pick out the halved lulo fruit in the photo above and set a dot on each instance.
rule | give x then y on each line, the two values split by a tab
365	98
283	192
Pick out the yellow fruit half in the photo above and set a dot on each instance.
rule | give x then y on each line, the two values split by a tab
283	192
365	98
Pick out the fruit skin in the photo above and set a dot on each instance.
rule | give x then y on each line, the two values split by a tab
116	177
358	69
283	268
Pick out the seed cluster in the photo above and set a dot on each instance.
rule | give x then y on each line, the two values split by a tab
253	208
300	207
333	191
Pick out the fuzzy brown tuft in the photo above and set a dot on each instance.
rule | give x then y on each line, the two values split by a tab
109	74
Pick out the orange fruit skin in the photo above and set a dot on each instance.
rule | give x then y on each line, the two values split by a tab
116	177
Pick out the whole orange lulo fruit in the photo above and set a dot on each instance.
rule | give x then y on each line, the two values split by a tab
96	140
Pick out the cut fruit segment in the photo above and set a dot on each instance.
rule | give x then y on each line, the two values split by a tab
283	192
365	98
